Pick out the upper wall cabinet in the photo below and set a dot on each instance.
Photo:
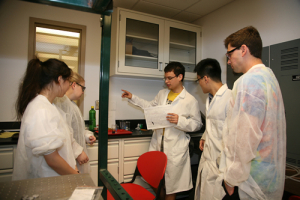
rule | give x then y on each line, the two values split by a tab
142	44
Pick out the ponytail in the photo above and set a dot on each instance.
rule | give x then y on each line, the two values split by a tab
37	77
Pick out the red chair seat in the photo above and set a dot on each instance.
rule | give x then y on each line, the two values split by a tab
137	192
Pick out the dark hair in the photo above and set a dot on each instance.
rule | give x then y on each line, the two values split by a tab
38	76
209	67
176	67
248	36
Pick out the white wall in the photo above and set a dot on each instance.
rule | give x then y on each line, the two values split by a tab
14	23
276	20
145	88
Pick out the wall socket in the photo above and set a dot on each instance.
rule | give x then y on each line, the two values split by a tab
97	105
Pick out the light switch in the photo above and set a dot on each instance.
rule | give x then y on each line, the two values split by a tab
97	105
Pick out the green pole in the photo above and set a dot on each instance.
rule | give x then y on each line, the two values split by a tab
104	94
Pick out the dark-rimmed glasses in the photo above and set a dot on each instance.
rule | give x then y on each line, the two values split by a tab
197	81
83	88
228	54
169	78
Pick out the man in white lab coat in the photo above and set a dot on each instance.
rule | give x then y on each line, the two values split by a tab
209	78
254	135
173	141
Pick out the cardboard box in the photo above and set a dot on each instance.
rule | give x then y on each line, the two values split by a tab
128	48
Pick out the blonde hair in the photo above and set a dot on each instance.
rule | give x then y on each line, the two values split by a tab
76	78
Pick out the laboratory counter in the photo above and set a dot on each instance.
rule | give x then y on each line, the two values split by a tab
135	134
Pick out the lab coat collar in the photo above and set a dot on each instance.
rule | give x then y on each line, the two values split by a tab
255	66
181	95
222	90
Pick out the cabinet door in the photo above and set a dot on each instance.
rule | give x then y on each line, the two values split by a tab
182	44
140	44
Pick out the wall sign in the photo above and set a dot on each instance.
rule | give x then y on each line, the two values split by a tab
296	78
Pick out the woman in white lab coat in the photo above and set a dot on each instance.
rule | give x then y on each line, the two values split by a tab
178	175
74	116
46	146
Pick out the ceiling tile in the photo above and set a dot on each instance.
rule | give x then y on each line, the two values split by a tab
186	17
124	3
177	4
155	9
204	7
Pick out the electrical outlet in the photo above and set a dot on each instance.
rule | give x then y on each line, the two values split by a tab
97	105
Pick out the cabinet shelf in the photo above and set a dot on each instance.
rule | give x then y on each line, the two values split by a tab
143	39
182	46
141	57
183	62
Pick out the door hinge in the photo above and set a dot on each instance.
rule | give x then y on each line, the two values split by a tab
118	64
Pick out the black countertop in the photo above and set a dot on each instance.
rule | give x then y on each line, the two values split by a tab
135	134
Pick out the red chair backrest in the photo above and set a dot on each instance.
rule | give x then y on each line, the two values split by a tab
294	197
152	166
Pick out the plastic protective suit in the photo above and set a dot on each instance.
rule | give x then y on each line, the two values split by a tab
208	169
43	130
178	176
75	121
254	137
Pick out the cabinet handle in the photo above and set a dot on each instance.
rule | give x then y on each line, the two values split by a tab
160	66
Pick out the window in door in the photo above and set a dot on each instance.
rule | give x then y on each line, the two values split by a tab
63	41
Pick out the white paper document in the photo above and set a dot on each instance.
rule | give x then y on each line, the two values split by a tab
156	117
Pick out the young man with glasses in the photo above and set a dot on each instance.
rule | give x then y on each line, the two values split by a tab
173	141
209	79
254	135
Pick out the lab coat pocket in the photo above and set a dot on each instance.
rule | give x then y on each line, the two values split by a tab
217	128
180	151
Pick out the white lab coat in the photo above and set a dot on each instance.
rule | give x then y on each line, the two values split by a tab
254	137
43	130
215	118
75	121
178	175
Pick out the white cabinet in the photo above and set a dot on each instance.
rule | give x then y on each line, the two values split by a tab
6	163
122	157
142	44
112	159
132	150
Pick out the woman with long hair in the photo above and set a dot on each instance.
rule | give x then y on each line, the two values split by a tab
46	146
74	116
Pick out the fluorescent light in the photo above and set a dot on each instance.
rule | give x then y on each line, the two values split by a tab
72	58
46	55
57	32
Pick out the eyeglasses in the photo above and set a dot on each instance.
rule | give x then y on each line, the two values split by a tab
228	54
197	81
83	88
169	78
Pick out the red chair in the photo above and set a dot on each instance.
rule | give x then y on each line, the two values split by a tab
151	165
294	197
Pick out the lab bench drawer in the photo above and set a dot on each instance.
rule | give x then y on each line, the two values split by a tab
129	166
133	148
6	175
6	158
112	151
